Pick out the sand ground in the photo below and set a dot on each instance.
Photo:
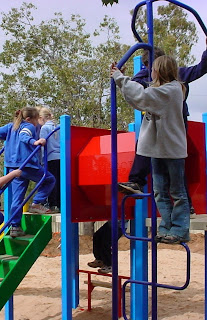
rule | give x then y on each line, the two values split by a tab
38	297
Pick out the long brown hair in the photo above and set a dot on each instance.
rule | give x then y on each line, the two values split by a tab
166	71
26	112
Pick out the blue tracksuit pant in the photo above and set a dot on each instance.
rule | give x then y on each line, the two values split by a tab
19	188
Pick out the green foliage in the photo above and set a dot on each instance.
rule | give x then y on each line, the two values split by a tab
55	64
111	2
172	32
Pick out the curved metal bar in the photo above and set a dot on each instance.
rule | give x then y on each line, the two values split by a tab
7	224
141	196
180	4
194	12
134	16
158	285
131	51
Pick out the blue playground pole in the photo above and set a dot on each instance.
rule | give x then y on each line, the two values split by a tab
66	225
139	252
9	306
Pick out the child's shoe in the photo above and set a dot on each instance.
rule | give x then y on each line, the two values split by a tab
54	209
17	232
105	269
174	239
96	264
39	208
192	213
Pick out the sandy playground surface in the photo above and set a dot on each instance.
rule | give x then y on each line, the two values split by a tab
38	297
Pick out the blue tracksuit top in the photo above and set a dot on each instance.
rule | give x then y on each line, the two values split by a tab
53	143
19	145
186	75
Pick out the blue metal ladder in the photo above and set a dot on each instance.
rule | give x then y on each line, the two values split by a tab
148	46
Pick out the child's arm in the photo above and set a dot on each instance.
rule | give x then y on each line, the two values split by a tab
10	176
41	141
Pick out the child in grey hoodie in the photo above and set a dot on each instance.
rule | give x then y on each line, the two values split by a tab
163	138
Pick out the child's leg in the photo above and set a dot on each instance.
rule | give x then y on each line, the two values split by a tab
161	194
19	188
97	242
45	188
180	216
106	245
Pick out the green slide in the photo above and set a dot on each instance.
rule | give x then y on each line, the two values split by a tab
17	255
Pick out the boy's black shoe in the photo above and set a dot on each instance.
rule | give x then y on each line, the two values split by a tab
16	232
96	264
173	239
192	213
130	188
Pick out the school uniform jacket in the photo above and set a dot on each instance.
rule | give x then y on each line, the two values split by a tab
19	144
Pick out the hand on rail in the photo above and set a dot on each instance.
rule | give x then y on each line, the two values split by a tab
113	68
41	141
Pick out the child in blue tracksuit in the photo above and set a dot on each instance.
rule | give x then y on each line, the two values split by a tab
53	155
20	138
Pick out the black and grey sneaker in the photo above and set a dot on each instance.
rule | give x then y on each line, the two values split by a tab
130	188
54	209
192	213
105	269
174	239
16	232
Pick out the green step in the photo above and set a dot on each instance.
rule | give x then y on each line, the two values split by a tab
17	255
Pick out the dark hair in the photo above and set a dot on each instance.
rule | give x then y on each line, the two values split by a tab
157	53
27	112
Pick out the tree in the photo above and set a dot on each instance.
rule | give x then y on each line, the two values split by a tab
111	2
172	32
41	60
54	63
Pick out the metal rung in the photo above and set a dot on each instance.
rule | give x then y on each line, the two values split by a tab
7	257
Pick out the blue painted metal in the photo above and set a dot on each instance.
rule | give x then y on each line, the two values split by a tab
9	306
9	309
139	266
159	285
180	4
114	217
66	225
74	242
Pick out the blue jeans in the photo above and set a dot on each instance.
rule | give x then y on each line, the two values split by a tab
171	197
20	185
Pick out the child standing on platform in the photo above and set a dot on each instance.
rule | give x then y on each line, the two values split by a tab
163	138
53	155
20	137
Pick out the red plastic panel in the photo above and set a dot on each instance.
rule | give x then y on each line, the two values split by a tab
196	166
94	177
91	171
88	201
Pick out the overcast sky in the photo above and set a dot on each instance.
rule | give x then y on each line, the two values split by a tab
93	12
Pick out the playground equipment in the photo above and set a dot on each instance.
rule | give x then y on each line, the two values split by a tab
89	181
135	313
17	255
